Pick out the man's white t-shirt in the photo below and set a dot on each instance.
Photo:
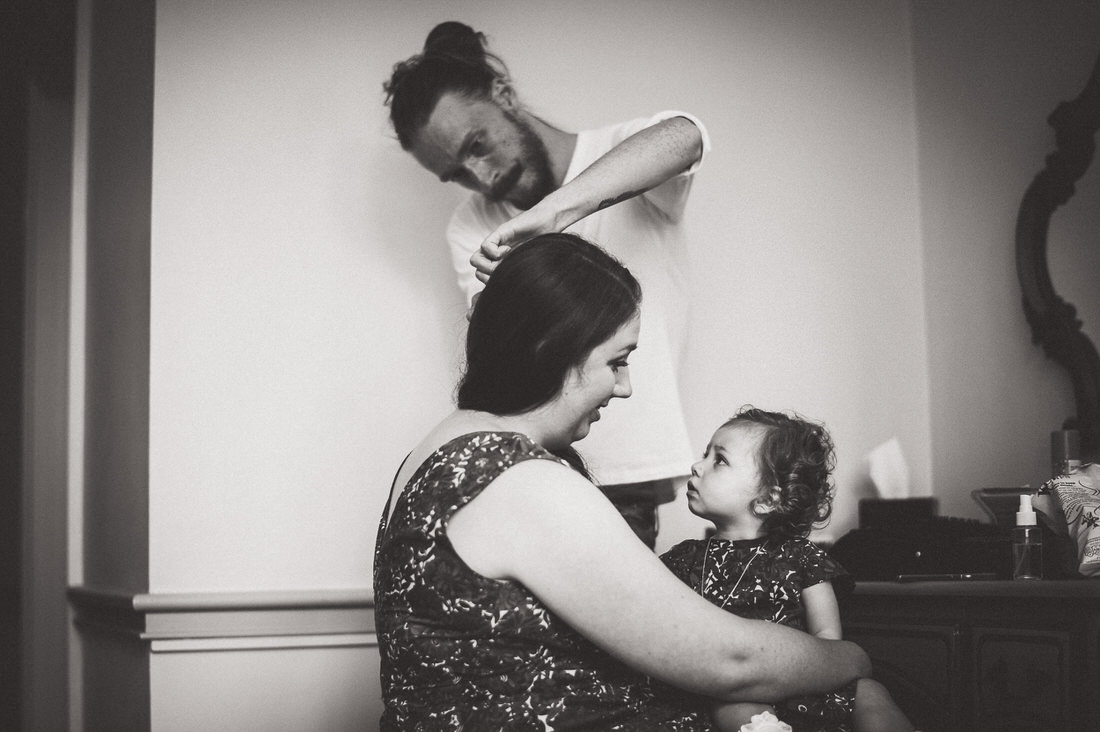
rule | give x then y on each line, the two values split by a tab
644	437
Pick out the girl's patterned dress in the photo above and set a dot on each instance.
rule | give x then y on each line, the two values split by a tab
462	651
762	579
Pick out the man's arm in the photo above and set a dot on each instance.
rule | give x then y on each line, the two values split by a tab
642	161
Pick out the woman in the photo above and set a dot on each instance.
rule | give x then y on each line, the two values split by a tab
509	592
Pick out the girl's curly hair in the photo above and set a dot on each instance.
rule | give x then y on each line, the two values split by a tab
795	460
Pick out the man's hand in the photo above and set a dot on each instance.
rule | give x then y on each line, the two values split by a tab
486	259
542	218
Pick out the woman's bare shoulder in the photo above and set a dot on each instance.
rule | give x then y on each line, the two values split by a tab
541	478
551	496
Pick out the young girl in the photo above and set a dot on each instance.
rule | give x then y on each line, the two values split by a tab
764	482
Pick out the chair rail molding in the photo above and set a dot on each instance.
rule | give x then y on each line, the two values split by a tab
205	621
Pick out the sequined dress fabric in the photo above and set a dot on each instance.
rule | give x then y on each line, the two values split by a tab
763	579
460	651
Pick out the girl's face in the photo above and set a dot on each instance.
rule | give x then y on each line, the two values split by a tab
589	387
724	483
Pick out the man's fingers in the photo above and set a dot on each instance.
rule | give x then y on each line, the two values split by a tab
484	264
493	251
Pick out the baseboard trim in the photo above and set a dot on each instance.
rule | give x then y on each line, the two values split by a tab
210	621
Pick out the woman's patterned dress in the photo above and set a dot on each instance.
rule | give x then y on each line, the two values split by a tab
462	651
762	579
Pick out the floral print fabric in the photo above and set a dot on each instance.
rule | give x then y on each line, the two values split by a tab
460	651
763	579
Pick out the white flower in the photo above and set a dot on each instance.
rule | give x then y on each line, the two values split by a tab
765	722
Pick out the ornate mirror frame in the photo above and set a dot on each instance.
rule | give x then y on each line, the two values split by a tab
1053	321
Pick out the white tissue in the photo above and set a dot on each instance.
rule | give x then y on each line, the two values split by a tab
888	470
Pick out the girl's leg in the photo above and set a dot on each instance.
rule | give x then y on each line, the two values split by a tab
729	717
875	710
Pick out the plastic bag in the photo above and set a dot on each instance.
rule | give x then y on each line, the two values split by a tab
1075	497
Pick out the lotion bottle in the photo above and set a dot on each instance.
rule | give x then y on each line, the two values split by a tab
1027	543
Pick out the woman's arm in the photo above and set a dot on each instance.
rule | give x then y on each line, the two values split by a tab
642	161
543	525
822	611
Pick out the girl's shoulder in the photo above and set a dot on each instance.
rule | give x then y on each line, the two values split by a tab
685	550
816	565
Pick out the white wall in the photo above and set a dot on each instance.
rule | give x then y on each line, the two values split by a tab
305	327
272	689
987	76
303	330
808	274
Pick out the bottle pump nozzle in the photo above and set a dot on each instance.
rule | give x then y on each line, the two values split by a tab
1025	516
1027	543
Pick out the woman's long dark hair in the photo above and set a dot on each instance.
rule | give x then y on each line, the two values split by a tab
546	306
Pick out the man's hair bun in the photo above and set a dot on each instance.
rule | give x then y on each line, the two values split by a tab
456	40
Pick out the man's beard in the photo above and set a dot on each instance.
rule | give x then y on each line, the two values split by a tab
535	161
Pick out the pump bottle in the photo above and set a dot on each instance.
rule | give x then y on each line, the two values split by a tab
1027	543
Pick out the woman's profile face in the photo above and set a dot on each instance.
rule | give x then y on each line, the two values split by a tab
588	388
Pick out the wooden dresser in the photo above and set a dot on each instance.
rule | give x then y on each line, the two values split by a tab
984	655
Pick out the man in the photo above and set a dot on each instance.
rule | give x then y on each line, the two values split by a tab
623	187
